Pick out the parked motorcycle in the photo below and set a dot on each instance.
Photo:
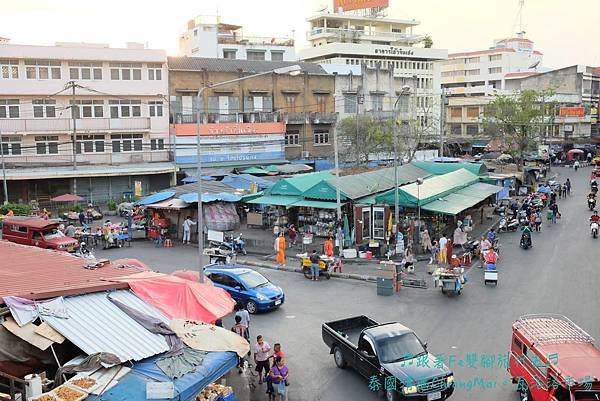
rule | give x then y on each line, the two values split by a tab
84	252
232	244
507	224
594	229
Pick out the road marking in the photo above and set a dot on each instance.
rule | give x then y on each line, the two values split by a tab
290	317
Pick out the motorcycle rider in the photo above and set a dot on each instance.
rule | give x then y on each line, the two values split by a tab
595	218
526	236
591	200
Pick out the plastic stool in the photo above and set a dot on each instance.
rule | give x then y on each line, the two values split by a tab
168	243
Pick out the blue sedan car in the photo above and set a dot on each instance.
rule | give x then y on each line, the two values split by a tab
246	286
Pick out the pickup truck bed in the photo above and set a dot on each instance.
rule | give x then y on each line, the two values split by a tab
351	328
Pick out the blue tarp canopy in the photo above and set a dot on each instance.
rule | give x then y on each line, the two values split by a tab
192	197
132	387
243	181
191	179
155	198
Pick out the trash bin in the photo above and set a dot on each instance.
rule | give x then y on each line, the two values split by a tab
385	286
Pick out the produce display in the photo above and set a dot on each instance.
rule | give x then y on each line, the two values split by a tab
213	392
84	382
65	393
45	397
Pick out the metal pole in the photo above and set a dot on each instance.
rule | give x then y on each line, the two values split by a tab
199	189
395	139
357	152
442	122
3	170
74	139
337	174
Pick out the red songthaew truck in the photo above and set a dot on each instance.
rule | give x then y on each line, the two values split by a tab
553	359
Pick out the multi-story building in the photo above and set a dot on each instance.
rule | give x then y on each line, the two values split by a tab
261	120
119	138
207	36
390	52
470	80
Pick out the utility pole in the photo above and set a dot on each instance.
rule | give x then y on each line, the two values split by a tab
359	101
74	107
442	121
3	169
337	174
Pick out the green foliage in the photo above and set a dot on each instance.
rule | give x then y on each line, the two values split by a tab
111	205
368	136
18	209
428	42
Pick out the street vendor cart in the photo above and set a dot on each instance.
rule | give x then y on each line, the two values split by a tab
326	265
450	281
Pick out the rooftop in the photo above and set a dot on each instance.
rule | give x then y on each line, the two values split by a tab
248	66
56	273
32	222
357	18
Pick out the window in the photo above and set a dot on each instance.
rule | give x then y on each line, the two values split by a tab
290	103
9	69
9	108
126	142
157	144
125	71
155	72
495	57
229	54
125	108
350	103
11	145
44	108
472	129
90	144
364	345
195	32
366	223
42	69
455	112
321	137
377	102
86	71
473	72
321	103
495	70
378	223
155	109
456	129
255	55
472	60
276	55
472	112
292	138
89	108
47	144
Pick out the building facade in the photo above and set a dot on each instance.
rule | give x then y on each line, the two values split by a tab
389	54
207	36
258	121
121	139
470	80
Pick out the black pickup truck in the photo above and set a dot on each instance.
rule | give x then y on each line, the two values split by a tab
388	350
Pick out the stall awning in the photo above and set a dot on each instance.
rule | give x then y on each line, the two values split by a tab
169	204
463	199
155	198
315	204
221	196
276	200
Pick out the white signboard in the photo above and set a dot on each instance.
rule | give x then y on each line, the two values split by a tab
216	236
160	390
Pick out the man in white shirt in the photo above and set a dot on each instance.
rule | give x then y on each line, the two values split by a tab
244	316
187	229
261	357
443	252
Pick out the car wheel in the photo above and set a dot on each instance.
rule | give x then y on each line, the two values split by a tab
251	307
391	395
338	357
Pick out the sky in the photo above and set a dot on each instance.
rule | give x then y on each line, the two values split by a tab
564	30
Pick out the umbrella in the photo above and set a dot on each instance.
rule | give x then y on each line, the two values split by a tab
255	170
67	198
576	151
346	231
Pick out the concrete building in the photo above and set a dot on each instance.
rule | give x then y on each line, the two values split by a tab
262	120
470	80
122	139
389	54
207	36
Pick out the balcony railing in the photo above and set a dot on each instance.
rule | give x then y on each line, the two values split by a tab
295	118
66	124
253	40
216	118
323	118
30	159
344	33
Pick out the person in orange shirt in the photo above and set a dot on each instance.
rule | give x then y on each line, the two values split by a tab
280	249
328	247
10	213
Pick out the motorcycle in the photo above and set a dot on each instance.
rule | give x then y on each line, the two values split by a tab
84	252
231	244
525	240
507	224
523	219
594	229
591	203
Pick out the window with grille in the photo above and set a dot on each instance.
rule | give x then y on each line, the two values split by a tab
125	71
321	103
455	112
292	138
276	55
456	129
255	55
472	129
11	145
85	70
290	103
127	142
90	143
89	108
9	108
350	103
155	72
321	137
42	69
377	102
9	69
495	70
125	108
44	108
46	145
472	112
155	109
157	144
495	57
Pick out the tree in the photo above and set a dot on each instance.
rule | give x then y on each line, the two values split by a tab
360	140
516	119
428	42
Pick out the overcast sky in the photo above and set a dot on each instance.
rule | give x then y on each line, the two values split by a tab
566	31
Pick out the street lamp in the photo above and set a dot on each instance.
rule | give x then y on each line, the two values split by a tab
405	91
292	70
419	183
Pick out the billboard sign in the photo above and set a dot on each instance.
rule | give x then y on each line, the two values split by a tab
572	111
347	5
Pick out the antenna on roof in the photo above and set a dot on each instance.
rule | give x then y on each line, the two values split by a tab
521	5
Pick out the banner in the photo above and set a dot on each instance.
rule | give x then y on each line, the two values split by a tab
572	111
347	5
137	185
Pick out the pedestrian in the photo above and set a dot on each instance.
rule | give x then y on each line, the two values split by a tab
442	255
435	249
449	250
279	376
425	240
244	316
554	209
314	265
328	247
277	352
276	230
293	234
409	262
81	218
589	157
261	357
339	239
568	185
280	249
538	220
187	229
242	331
576	165
70	230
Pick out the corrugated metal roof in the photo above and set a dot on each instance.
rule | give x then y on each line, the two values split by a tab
298	184
35	273
95	324
224	65
445	168
278	200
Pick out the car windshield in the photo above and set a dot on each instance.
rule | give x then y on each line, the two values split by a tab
253	279
593	395
399	348
52	234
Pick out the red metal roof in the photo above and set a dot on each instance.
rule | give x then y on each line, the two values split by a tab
35	273
575	360
32	222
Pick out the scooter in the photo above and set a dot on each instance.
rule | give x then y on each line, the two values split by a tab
507	224
525	240
84	252
591	203
233	244
523	220
594	229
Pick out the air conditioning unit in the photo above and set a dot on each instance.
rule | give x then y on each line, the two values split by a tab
305	153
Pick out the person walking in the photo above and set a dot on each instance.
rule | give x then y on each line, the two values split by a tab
538	220
242	331
564	191
187	229
328	247
576	165
81	218
280	249
293	234
261	357
279	375
435	249
568	185
425	241
314	265
554	209
244	317
442	255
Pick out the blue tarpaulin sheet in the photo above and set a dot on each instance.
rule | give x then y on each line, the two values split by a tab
132	387
155	198
221	196
243	181
190	179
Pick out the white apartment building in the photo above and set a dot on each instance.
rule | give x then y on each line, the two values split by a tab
382	46
206	36
122	123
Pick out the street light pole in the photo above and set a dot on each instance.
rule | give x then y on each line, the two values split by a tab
3	169
404	92
292	70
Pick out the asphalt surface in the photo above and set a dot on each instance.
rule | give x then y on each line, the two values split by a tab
558	275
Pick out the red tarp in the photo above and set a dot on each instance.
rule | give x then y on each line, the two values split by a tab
67	198
191	275
179	298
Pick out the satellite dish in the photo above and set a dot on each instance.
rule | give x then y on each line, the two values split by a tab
322	8
535	65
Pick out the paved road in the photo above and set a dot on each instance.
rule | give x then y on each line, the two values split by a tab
558	275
